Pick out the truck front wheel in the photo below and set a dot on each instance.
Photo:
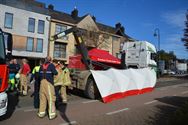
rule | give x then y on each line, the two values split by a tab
91	90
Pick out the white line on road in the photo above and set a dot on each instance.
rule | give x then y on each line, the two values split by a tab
69	123
147	103
30	110
184	92
114	112
90	101
174	95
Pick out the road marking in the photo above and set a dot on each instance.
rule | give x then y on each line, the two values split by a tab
30	110
69	123
114	112
184	92
90	101
174	95
147	103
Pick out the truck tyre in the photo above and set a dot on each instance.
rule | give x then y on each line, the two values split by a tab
91	90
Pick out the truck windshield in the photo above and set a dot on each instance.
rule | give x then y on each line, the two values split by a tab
153	56
2	49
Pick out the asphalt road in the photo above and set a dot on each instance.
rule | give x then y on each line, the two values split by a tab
147	109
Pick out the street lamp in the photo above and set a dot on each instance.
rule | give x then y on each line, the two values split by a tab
157	34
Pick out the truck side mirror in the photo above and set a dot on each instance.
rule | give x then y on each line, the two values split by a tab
8	42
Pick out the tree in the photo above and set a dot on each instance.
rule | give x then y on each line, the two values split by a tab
169	58
185	37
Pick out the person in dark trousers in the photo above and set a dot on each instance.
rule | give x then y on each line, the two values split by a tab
17	68
47	92
57	82
35	75
12	73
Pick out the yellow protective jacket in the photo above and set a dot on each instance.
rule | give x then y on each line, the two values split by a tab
66	77
63	77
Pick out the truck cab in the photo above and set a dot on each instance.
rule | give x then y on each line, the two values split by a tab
5	53
139	54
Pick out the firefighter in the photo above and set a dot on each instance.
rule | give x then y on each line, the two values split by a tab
17	66
58	81
12	74
24	72
47	92
66	80
35	75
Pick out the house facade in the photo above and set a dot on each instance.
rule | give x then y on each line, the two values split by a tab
29	25
33	25
97	35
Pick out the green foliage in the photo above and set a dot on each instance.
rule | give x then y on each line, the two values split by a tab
185	37
166	56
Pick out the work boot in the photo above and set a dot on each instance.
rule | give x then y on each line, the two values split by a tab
41	114
52	116
24	93
64	101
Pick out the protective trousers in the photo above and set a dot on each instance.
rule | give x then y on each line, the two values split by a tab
47	95
23	84
63	93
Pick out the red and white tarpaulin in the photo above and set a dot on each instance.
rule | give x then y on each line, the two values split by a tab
114	84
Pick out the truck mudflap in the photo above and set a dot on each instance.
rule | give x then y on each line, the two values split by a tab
115	84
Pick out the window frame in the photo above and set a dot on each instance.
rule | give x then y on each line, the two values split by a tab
32	44
11	21
29	25
61	25
43	27
59	50
37	45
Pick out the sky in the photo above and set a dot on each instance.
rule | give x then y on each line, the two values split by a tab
139	17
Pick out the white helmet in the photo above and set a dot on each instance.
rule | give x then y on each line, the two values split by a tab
17	76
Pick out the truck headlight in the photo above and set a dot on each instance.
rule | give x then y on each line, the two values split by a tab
3	103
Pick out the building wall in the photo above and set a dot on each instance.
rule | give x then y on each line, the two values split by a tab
88	24
20	31
70	42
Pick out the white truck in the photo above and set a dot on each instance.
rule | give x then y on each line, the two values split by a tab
181	68
139	54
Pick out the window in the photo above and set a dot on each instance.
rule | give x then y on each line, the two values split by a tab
39	45
61	28
60	50
30	42
41	27
8	20
31	25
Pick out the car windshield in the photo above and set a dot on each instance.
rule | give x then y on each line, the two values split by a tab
2	49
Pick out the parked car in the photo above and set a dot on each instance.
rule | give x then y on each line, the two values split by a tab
171	72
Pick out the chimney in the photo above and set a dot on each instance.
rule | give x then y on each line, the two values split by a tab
50	7
118	25
74	13
94	18
122	29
